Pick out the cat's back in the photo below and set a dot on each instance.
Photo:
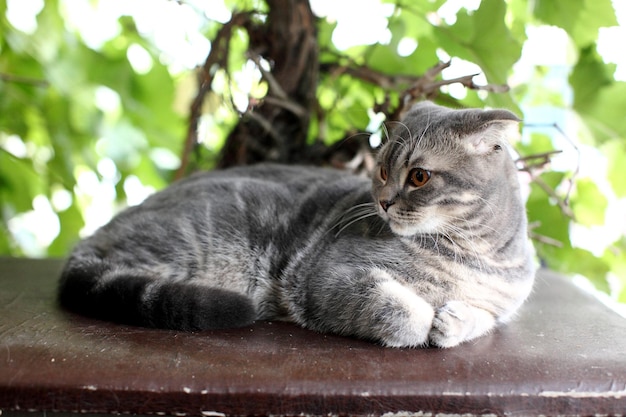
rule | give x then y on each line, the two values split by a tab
274	181
254	204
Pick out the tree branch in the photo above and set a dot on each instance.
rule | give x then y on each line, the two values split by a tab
426	86
217	58
278	95
19	79
423	86
532	163
542	238
287	41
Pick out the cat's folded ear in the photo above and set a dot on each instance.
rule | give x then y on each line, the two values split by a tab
494	129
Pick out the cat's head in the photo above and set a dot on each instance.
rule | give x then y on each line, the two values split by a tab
439	166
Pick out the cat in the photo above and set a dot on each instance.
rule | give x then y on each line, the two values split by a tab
431	251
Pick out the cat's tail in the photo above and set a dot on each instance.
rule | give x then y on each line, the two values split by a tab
91	287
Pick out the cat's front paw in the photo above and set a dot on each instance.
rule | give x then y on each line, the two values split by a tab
404	318
456	322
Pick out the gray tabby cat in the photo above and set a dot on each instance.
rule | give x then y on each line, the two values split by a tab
432	250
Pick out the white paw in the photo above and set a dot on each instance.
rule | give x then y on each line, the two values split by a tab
450	324
456	322
408	318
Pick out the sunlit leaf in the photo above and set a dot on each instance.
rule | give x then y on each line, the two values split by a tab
615	257
606	116
588	203
483	37
580	261
598	98
580	18
539	143
615	152
5	242
544	214
590	74
71	222
124	144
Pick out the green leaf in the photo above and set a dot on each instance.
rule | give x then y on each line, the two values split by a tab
581	19
5	241
580	261
598	98
544	214
615	257
147	171
589	76
588	203
71	222
325	31
519	17
483	38
615	152
63	139
606	115
539	143
385	58
19	182
124	144
150	106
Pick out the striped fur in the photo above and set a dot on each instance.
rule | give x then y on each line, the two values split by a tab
444	263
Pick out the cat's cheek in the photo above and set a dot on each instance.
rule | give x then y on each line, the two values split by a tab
402	229
397	227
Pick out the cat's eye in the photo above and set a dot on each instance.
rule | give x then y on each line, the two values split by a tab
383	173
418	177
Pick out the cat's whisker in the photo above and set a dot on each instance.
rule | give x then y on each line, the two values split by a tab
471	240
435	240
354	208
348	212
381	228
399	123
352	215
386	136
428	124
488	205
364	216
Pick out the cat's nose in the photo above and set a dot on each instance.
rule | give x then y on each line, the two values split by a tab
385	204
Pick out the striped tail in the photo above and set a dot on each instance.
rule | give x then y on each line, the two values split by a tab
91	287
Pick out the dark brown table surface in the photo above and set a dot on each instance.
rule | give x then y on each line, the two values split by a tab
564	354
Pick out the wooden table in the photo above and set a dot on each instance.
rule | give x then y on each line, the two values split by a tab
564	354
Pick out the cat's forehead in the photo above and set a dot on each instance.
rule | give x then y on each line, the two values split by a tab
415	141
399	153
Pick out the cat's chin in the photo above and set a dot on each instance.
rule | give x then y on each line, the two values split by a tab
408	230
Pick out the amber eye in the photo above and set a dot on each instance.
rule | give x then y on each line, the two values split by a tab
418	177
383	173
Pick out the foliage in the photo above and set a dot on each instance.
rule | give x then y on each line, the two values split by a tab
79	121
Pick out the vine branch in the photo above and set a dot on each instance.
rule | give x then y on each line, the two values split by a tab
423	86
19	79
217	58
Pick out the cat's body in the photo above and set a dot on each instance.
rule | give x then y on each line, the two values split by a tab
439	255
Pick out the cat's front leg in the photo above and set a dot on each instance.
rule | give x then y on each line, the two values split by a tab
456	322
